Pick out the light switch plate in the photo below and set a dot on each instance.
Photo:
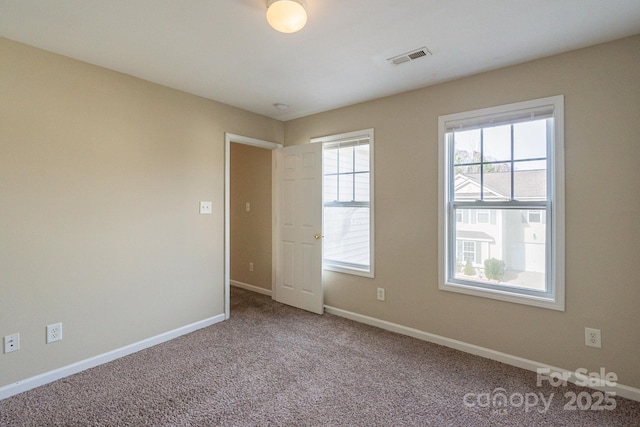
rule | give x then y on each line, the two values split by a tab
206	208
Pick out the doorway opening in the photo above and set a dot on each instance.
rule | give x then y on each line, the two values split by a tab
238	144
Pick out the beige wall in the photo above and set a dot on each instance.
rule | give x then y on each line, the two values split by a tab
250	231
101	174
100	179
601	85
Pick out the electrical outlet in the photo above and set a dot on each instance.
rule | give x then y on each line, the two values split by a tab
11	343
250	266
54	332
380	294
206	208
592	337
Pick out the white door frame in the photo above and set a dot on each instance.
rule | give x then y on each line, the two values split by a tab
228	139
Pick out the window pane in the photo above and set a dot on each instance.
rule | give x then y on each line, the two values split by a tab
346	237
466	187
509	251
497	183
361	158
345	159
530	140
466	148
497	143
362	187
530	165
530	181
330	188
330	161
346	188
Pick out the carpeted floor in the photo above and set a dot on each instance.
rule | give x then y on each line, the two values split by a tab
271	364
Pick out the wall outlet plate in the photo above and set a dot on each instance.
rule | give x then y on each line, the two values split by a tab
54	332
592	337
11	343
206	208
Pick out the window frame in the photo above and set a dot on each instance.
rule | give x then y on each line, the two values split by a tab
343	137
553	296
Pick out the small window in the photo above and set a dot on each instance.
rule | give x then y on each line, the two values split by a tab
482	216
348	202
502	169
534	216
467	251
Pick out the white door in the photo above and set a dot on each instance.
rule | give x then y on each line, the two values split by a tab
298	225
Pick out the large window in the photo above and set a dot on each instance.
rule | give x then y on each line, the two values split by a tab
348	201
501	207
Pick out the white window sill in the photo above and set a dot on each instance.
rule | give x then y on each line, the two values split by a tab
346	270
550	302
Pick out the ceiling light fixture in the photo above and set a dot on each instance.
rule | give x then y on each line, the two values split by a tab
286	16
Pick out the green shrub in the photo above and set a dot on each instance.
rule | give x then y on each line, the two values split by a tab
468	269
494	269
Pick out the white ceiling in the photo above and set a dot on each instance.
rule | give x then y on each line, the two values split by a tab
225	50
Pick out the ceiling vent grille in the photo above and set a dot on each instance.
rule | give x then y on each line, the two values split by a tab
410	56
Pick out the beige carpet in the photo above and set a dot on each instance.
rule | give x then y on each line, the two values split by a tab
275	365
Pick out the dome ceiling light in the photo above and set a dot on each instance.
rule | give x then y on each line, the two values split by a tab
286	16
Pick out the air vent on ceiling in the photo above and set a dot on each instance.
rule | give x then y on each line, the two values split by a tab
410	56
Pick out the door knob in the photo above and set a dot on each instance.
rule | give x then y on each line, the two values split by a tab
317	236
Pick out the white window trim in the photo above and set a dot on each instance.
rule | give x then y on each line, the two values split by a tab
352	135
556	299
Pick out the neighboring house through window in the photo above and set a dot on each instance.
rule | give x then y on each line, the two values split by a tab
502	202
348	202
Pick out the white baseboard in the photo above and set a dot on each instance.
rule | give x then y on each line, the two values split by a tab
531	365
47	377
249	287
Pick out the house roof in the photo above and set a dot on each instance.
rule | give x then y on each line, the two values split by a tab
528	184
479	236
